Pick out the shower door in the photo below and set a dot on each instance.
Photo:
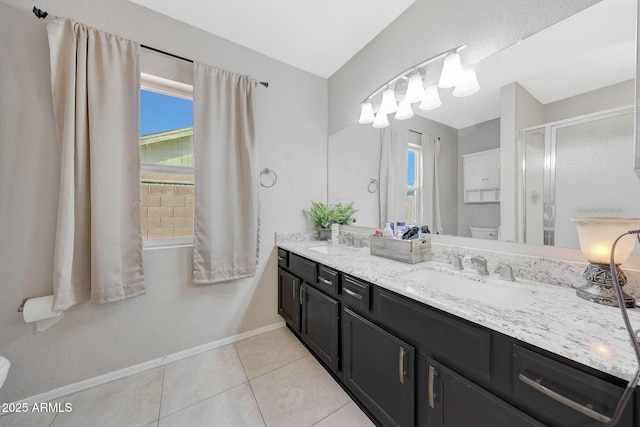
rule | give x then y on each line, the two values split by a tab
577	168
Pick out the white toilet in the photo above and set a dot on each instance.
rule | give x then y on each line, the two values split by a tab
489	233
4	370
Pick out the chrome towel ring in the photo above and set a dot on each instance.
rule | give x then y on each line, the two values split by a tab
270	173
373	186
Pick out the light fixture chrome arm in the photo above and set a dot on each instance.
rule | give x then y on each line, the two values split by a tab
408	70
628	392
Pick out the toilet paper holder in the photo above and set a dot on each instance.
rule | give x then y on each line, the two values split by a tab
21	308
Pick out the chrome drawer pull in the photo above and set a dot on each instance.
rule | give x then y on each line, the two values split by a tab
353	294
280	258
325	281
564	400
432	395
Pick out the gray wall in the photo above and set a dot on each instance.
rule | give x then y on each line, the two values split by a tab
480	137
430	27
174	315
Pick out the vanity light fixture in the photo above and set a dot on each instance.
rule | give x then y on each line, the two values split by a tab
451	71
366	113
411	83
597	236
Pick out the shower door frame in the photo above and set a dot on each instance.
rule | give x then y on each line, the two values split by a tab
549	168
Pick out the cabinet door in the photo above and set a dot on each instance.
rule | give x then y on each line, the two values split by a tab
493	170
379	369
320	325
474	173
289	298
454	401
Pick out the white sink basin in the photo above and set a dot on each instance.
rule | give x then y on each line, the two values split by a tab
486	290
324	249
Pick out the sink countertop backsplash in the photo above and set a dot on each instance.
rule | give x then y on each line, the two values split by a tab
545	311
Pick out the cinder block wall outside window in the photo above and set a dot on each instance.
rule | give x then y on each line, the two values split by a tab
167	205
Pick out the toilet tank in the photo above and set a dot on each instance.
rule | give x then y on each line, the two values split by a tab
489	233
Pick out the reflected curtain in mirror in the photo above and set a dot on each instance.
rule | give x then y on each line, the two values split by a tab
431	192
225	243
394	145
95	79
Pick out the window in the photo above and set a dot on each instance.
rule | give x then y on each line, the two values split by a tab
166	153
414	178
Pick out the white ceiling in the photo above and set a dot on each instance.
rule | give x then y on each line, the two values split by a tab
315	36
592	49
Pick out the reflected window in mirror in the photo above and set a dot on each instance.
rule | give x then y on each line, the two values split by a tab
414	181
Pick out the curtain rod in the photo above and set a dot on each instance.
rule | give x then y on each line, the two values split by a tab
41	14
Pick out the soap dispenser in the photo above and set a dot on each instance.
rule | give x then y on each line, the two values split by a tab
387	232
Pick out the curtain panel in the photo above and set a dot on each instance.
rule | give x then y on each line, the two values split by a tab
225	243
394	147
95	85
431	186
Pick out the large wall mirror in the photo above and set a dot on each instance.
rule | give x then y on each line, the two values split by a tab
559	102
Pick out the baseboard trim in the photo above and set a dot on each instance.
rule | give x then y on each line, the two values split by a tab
145	366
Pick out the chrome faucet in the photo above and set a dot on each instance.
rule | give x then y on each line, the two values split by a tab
480	263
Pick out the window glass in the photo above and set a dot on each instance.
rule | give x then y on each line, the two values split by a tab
413	200
166	153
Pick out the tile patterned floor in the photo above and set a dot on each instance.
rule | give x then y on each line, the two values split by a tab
269	380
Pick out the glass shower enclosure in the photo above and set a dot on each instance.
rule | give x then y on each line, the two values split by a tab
575	168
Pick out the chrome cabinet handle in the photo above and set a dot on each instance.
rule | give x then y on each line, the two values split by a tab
325	281
353	294
293	289
564	400
301	296
432	374
280	258
401	365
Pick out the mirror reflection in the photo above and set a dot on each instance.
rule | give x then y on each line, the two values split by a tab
558	105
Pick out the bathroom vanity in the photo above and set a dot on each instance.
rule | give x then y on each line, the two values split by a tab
424	345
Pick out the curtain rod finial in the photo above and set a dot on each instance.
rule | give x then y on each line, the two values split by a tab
41	14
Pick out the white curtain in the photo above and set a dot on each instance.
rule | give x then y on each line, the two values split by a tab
225	244
95	85
431	192
394	146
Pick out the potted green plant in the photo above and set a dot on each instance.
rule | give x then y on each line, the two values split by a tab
344	213
323	216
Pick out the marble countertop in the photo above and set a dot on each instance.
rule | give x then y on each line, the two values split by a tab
550	317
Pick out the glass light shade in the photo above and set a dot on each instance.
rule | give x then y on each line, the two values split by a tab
597	234
431	99
415	89
451	71
366	113
380	121
468	84
404	110
389	104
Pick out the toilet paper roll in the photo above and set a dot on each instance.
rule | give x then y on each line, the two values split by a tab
40	310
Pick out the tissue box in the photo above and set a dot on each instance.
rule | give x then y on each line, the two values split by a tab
410	251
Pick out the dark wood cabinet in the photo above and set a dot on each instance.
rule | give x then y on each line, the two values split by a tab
411	365
455	401
289	298
378	369
321	325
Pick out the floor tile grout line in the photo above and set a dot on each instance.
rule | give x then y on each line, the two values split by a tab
164	373
200	401
328	415
213	395
280	367
250	386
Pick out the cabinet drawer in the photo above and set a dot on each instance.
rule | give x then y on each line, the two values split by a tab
327	280
461	344
303	268
356	293
561	395
283	258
